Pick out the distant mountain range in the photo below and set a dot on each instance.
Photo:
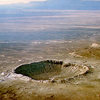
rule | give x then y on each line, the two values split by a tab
59	5
69	4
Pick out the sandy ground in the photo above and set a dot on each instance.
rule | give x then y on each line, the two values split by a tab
83	87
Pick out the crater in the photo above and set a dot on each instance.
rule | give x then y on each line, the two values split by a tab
51	69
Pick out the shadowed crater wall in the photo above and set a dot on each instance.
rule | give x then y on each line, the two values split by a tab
42	70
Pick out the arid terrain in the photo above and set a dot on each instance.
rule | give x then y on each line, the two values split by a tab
80	87
50	55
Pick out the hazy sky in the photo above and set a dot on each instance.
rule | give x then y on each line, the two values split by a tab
51	4
6	2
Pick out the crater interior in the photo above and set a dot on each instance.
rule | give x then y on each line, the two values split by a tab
51	69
